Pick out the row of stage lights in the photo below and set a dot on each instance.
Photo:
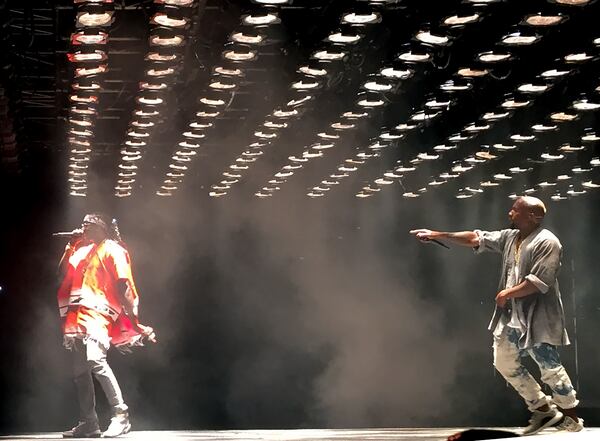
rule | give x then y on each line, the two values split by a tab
422	52
527	93
243	47
571	159
168	36
389	78
435	106
89	58
311	77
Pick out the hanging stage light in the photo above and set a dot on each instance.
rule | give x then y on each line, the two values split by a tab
554	73
429	38
160	70
146	111
306	84
459	85
153	85
468	72
344	38
512	102
461	20
493	57
533	88
563	116
329	55
580	57
261	19
239	53
247	36
83	109
415	56
315	71
90	70
87	55
542	20
165	37
520	39
228	71
162	56
585	104
370	99
171	17
94	15
86	83
361	19
89	36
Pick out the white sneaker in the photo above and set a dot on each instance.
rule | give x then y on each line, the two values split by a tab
570	425
540	420
119	425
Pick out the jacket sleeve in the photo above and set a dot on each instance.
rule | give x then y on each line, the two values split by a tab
492	241
120	265
545	259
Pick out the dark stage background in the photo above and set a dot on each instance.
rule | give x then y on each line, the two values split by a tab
288	313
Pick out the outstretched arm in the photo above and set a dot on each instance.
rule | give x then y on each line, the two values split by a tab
462	238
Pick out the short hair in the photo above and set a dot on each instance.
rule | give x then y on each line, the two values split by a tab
535	205
108	224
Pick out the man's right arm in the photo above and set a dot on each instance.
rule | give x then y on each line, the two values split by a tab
64	261
69	250
463	238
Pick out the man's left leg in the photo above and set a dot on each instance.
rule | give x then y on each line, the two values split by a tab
507	360
554	375
119	423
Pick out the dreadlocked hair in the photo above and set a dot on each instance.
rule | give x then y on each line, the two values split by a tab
112	227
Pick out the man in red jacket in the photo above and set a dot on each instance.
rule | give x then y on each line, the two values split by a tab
98	304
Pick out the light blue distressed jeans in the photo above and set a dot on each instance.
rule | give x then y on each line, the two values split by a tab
508	361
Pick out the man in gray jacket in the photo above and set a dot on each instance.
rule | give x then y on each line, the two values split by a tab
528	318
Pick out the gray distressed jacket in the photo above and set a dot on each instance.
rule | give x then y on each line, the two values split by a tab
540	260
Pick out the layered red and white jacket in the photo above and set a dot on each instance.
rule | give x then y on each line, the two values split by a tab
88	300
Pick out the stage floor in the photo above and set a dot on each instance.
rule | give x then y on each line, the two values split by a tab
417	434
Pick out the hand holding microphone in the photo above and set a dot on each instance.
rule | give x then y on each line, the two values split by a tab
77	232
74	236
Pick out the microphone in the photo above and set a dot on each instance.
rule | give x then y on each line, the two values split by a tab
437	242
69	234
